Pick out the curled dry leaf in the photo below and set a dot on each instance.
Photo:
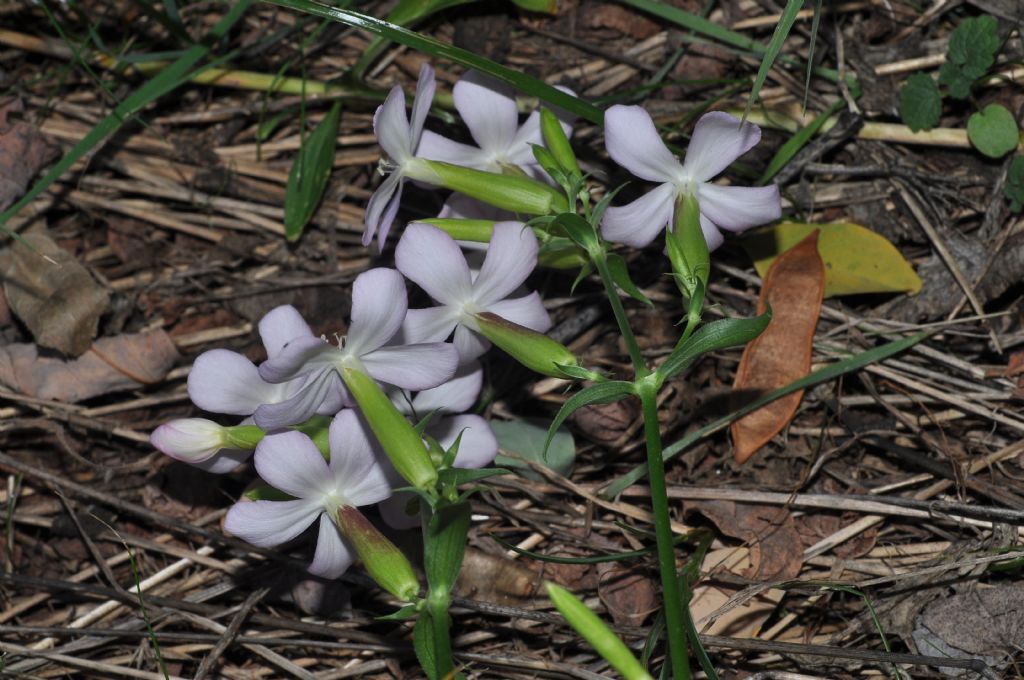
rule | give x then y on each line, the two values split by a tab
776	551
23	152
494	578
626	592
59	300
122	362
793	289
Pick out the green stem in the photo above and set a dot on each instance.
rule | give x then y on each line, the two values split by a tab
674	624
437	606
639	365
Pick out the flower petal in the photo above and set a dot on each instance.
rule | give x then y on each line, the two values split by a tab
299	357
333	555
511	257
413	367
434	147
226	460
640	222
718	139
317	390
432	260
478	445
425	87
280	326
489	109
191	440
270	523
526	311
739	208
391	126
469	343
223	381
290	461
634	143
379	304
355	465
336	396
433	324
712	234
455	396
382	208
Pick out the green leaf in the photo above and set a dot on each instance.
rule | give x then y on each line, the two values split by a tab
441	50
545	6
404	614
460	476
799	139
620	275
920	102
445	545
857	260
423	644
167	80
1014	187
973	44
576	228
782	29
597	633
525	438
708	338
309	174
405	13
958	83
830	372
602	393
993	131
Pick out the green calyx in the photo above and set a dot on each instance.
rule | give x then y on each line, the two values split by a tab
508	192
383	560
534	350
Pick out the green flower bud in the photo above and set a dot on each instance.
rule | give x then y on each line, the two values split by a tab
557	143
402	444
687	247
243	436
536	351
463	230
383	560
508	192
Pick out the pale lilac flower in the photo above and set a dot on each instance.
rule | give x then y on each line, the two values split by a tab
431	258
222	381
290	462
718	139
477	446
489	110
378	308
399	136
190	440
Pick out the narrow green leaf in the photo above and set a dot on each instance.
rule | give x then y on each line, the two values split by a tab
825	374
404	614
545	6
774	47
167	80
620	275
445	545
715	335
798	141
460	476
602	393
423	644
406	13
310	171
440	50
576	228
815	24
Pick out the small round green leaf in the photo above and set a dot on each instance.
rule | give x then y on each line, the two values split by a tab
920	102
993	131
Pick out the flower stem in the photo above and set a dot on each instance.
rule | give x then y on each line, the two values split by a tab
675	628
601	264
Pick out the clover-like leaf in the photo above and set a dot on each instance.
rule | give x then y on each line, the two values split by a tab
920	102
993	131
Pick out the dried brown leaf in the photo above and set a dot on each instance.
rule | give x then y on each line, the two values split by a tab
626	592
116	363
23	153
59	301
793	288
776	551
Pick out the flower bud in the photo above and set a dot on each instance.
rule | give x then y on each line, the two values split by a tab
383	560
402	444
534	350
687	247
557	143
244	437
191	440
508	192
478	231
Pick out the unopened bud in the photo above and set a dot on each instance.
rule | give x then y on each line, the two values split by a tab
382	559
534	350
687	247
191	440
508	192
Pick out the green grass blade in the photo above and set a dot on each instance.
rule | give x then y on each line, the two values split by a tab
310	171
815	24
167	80
796	142
438	49
774	48
825	374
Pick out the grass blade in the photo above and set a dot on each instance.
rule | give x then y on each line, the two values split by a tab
825	374
774	47
438	49
167	80
310	171
796	142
